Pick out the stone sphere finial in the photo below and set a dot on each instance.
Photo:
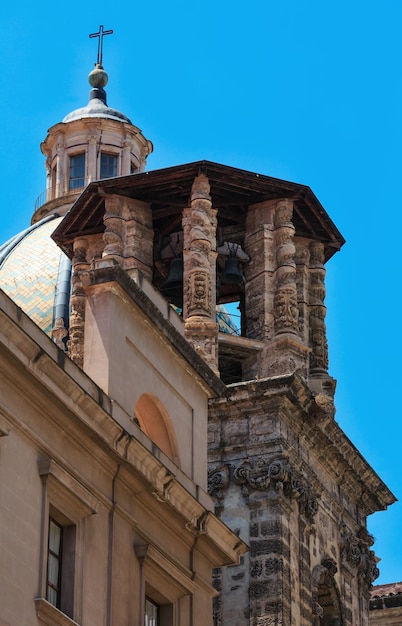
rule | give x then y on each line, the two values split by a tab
98	78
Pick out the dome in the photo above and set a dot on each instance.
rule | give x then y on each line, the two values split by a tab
97	105
97	108
35	274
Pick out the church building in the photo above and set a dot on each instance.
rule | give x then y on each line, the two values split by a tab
163	464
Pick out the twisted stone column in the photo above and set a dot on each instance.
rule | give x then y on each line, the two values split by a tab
317	334
78	300
113	235
285	302
199	258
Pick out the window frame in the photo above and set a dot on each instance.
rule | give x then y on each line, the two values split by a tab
76	182
68	502
155	619
108	155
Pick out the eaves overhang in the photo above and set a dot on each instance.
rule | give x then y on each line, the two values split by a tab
168	191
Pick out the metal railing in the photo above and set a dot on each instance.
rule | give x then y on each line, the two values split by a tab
57	191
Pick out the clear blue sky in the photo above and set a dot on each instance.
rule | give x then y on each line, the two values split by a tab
304	90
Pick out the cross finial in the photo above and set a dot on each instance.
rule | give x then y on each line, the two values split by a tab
101	34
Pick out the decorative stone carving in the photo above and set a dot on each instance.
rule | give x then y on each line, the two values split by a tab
355	550
318	338
75	344
285	309
218	481
199	258
77	323
199	228
112	236
279	474
285	300
330	565
59	332
198	293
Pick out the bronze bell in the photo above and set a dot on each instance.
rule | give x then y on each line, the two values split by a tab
232	274
172	288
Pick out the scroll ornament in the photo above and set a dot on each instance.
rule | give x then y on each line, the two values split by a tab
283	477
355	550
218	481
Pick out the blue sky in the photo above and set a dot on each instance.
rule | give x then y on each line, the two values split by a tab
307	91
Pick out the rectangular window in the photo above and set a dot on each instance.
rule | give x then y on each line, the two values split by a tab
61	565
108	165
77	171
151	613
66	505
54	563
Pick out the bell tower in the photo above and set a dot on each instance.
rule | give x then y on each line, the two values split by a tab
282	473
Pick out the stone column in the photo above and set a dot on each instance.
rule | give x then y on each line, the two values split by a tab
286	314
285	352
318	338
114	231
302	258
199	258
78	301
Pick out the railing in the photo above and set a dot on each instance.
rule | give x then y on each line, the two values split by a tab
56	191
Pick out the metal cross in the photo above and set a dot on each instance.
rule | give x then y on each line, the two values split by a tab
101	34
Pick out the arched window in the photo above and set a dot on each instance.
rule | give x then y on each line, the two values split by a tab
156	423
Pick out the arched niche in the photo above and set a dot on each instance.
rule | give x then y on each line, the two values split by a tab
327	606
156	423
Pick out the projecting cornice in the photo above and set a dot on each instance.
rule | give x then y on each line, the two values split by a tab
310	417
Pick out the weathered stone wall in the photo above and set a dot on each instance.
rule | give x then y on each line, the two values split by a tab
275	478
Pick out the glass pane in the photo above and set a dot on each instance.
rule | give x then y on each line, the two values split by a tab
53	570
77	171
54	537
151	613
51	596
108	165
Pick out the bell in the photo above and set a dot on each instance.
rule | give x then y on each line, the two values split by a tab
231	274
172	288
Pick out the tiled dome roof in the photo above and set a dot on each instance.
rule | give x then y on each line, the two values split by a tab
33	270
